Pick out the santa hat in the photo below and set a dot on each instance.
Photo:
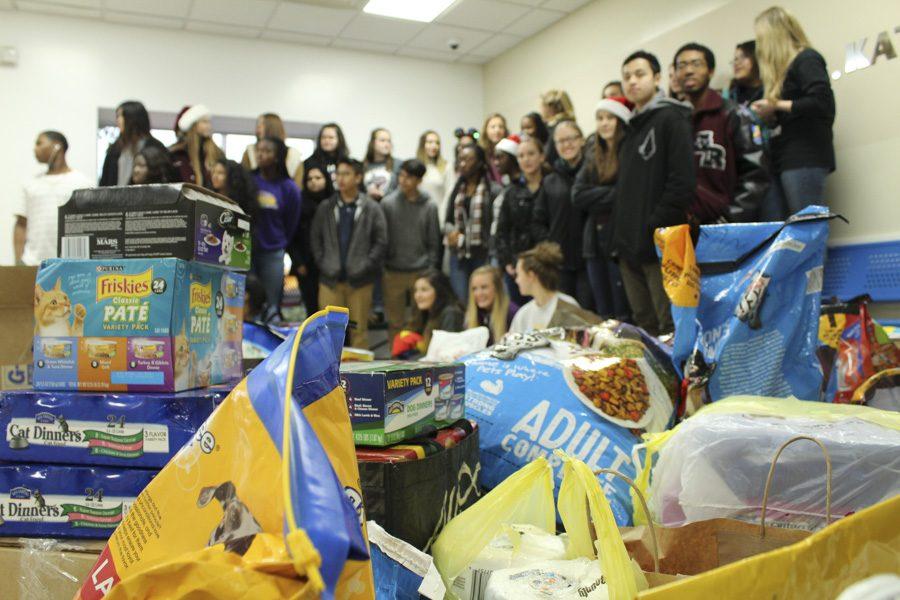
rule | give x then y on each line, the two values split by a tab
509	144
618	106
190	115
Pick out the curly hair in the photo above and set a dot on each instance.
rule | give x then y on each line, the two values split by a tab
545	261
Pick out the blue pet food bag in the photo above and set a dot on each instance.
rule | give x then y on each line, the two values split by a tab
592	402
746	306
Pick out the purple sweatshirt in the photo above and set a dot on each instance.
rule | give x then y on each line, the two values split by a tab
278	215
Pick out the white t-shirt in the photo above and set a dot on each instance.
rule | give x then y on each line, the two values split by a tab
41	200
531	316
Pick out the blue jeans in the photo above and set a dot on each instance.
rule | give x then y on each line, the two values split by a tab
460	272
609	293
268	266
793	190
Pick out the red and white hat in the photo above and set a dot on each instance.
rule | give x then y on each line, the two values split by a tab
509	144
189	116
619	106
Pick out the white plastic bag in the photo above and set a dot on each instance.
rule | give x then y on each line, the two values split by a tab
448	346
557	579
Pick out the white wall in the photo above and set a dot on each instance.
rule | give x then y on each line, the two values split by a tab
69	67
584	50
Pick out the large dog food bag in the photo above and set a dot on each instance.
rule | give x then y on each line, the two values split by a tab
746	306
136	325
592	402
264	502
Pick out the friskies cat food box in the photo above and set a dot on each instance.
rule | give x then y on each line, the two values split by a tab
136	325
155	221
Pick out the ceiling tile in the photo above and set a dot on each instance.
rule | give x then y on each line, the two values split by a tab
157	8
445	56
474	59
564	5
297	38
57	9
6	5
304	18
381	29
146	20
486	15
436	37
497	44
534	21
527	2
232	30
77	3
246	13
367	46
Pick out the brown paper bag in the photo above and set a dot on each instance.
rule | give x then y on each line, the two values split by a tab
699	547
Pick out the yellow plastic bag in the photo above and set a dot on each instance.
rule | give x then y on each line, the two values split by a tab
821	566
525	497
581	488
264	502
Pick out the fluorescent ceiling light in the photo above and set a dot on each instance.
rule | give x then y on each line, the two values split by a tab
425	11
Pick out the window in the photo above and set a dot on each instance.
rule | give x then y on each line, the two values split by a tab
231	134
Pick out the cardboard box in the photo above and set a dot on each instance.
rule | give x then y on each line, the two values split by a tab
97	429
155	221
393	401
67	501
16	326
138	325
45	568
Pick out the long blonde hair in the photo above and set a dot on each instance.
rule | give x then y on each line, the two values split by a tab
560	104
500	307
779	38
193	141
440	163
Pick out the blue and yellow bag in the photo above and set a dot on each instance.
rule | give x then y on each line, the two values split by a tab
264	502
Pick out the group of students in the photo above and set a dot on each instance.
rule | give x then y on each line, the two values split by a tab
548	213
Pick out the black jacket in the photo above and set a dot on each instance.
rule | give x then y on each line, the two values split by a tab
515	223
803	137
656	178
556	219
595	201
110	174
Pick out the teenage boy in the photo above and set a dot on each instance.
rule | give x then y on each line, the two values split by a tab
35	229
414	242
655	187
613	89
349	240
730	185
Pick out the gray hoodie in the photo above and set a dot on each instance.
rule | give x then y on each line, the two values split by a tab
414	233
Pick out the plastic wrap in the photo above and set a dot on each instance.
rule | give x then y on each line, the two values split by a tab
128	430
715	464
38	568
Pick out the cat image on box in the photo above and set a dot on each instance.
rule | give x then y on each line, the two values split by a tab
52	309
185	362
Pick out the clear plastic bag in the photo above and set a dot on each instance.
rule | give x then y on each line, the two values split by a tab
714	465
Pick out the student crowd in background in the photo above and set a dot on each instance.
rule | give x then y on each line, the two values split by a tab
515	231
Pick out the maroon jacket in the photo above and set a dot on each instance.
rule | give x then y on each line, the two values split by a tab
726	177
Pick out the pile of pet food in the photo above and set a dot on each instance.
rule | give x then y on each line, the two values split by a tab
135	342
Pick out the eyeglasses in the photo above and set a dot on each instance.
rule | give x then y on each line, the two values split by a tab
684	64
568	140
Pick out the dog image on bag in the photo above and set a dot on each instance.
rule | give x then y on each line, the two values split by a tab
238	526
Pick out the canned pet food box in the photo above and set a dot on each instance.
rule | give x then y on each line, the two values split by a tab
66	501
97	429
393	401
136	325
155	221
